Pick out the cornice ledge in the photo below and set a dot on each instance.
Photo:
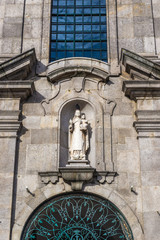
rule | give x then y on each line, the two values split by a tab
71	66
139	67
148	123
19	67
9	123
141	89
16	89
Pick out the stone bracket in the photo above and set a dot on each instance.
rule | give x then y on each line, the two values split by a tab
47	177
77	176
106	176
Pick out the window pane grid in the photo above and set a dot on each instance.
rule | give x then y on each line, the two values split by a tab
78	29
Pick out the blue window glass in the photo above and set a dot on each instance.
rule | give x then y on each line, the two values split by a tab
69	45
61	45
78	29
79	45
87	10
87	45
87	2
61	54
69	54
79	11
70	28
87	28
61	28
61	37
70	11
78	54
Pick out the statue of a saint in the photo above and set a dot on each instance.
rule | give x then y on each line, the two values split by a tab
78	136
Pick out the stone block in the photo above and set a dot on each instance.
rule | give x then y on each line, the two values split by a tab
123	133
16	45
14	10
125	11
6	46
43	136
158	45
139	45
32	109
157	24
149	158
33	11
2	11
126	23
150	178
142	9
7	147
143	27
149	45
32	122
122	121
32	43
123	108
41	157
151	225
128	161
151	198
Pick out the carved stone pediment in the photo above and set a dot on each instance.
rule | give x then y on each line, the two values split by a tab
14	74
19	67
70	67
141	76
138	67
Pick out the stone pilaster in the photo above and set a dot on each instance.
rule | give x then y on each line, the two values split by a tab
13	90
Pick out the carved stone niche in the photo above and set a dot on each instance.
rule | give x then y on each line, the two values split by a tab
81	82
77	171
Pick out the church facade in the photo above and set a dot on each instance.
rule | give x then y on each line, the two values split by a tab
79	119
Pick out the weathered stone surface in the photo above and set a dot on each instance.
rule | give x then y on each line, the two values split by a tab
131	24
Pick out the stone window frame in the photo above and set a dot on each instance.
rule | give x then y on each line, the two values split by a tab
112	34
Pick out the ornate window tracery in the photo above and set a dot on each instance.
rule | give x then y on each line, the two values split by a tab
77	216
78	29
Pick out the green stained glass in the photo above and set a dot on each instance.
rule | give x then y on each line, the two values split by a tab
77	216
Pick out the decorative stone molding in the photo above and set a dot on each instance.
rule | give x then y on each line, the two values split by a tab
9	124
16	89
72	66
77	176
47	177
141	89
19	67
139	67
105	176
148	123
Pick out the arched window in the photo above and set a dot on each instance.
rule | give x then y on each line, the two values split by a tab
77	216
78	29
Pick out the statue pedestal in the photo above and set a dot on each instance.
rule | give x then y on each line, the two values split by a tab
77	163
77	175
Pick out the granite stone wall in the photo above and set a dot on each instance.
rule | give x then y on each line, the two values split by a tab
127	123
